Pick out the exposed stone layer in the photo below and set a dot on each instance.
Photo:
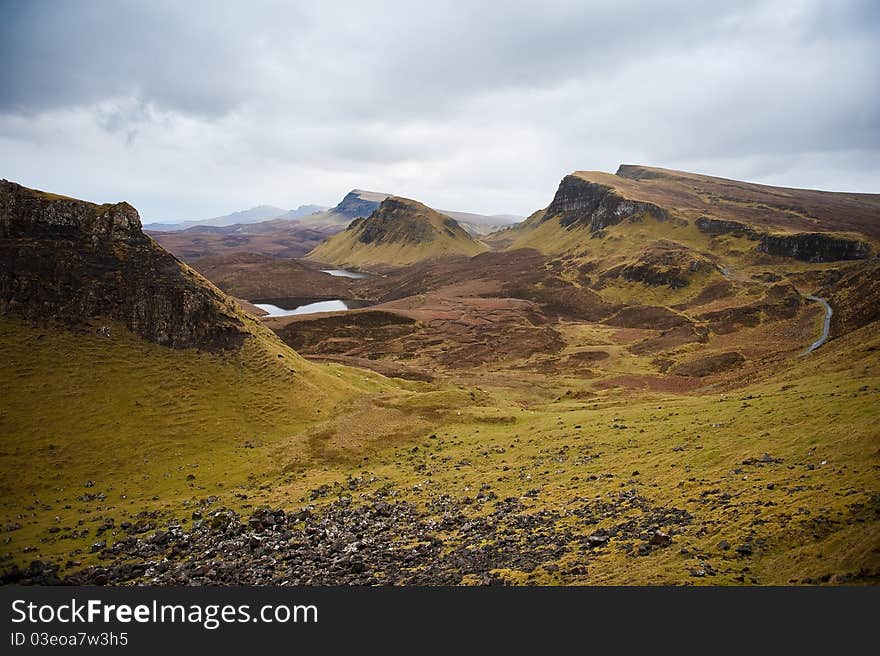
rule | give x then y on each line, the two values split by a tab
68	260
579	202
814	247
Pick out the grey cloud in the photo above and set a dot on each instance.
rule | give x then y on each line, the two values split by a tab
200	108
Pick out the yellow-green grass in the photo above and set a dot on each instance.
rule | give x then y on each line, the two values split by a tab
400	232
138	420
820	419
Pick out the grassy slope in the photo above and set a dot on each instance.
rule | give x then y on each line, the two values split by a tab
435	239
814	512
145	418
137	419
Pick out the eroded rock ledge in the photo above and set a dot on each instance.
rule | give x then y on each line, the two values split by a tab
68	260
579	202
808	247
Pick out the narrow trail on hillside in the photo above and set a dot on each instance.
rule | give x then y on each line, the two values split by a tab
826	324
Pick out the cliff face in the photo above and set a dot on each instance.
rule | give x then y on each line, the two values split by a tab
814	247
68	260
359	203
809	247
581	203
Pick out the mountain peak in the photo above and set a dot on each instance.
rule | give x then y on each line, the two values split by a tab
399	232
359	202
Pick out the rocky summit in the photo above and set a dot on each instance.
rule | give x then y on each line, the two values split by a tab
67	260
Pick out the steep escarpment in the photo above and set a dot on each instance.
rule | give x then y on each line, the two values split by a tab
814	247
808	247
766	208
580	202
401	231
595	213
67	260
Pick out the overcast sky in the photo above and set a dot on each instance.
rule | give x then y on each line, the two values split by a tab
196	109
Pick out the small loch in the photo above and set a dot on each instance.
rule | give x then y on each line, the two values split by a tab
291	307
342	273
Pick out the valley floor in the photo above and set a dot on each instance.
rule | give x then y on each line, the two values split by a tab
775	481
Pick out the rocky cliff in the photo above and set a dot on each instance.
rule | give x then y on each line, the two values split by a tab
809	247
725	227
582	203
359	203
814	247
67	260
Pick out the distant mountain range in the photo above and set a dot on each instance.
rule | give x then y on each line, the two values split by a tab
253	215
358	203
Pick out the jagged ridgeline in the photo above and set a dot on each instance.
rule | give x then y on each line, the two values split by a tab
68	261
399	232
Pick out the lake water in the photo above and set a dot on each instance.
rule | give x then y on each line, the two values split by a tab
335	305
290	307
342	273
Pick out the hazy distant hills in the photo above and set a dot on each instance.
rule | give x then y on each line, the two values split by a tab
253	215
293	233
480	225
359	203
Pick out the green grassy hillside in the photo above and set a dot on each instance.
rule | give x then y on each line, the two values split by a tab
151	427
398	233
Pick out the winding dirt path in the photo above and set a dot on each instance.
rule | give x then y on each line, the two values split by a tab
826	325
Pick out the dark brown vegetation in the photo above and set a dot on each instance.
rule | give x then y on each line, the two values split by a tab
66	260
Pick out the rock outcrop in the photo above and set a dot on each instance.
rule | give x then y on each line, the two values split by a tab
357	203
814	247
854	293
67	261
725	227
662	264
581	203
809	247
